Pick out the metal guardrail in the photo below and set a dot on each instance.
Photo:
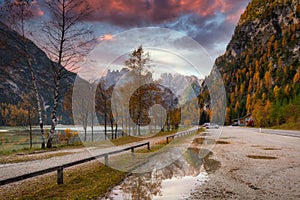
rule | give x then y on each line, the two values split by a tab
60	168
179	134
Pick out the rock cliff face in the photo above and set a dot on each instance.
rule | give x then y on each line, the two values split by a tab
261	62
15	77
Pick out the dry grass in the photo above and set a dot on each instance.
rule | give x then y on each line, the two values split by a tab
86	181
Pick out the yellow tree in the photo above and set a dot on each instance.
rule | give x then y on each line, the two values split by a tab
227	116
276	92
268	80
248	103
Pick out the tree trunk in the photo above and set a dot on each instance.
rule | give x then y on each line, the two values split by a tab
92	127
84	128
30	129
112	128
54	110
116	131
38	100
105	125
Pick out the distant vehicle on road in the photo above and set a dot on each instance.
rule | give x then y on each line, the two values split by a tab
205	124
235	124
212	126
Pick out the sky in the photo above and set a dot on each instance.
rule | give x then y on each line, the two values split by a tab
211	23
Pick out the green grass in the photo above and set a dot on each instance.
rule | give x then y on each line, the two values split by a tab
125	140
288	126
93	181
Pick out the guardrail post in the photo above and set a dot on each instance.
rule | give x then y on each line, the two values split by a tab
106	159
167	140
148	145
60	175
132	150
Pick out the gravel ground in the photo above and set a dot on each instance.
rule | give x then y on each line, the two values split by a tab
241	177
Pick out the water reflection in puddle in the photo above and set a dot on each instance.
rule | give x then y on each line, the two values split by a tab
176	181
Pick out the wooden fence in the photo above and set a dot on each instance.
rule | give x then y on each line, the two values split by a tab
180	134
59	169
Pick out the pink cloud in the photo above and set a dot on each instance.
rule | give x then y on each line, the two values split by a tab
130	12
105	37
145	12
234	17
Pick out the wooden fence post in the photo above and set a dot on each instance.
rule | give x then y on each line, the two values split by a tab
148	145
106	159
60	175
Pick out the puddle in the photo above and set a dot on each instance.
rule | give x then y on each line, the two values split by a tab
222	142
226	138
261	157
176	181
271	149
204	140
255	146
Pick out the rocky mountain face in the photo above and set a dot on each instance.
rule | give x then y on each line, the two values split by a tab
261	66
15	77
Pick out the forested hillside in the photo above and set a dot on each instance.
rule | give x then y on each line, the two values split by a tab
261	68
16	82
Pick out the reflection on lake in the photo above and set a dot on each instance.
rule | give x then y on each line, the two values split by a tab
176	181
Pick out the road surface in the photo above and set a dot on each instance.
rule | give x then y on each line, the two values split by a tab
254	165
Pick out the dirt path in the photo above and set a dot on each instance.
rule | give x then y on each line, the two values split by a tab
253	166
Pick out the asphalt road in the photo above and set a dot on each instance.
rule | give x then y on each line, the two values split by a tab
289	133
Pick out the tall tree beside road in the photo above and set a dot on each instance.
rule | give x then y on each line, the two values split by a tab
67	41
137	63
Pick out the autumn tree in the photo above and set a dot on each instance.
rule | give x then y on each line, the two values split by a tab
67	40
138	64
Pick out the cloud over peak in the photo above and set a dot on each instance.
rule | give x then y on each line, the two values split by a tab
146	12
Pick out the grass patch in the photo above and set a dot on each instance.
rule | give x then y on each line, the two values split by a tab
288	126
165	133
261	157
125	140
86	181
153	148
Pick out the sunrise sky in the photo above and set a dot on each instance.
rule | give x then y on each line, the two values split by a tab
209	22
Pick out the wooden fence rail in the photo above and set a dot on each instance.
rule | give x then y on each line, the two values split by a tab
60	168
179	134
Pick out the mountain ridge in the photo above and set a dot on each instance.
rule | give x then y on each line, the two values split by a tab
16	79
260	67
